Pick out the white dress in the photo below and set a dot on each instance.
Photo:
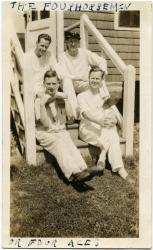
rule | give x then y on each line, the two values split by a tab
57	141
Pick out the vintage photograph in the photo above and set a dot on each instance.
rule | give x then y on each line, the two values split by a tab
73	90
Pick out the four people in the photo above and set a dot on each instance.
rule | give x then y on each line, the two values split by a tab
79	77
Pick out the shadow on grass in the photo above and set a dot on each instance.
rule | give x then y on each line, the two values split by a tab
77	185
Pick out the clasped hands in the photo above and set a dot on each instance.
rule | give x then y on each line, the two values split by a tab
47	99
108	120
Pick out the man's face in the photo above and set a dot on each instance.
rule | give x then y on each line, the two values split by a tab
72	45
52	85
95	80
41	47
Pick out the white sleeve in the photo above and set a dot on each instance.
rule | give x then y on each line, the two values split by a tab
82	103
97	60
62	67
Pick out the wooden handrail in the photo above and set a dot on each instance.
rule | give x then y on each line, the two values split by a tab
72	26
19	54
110	52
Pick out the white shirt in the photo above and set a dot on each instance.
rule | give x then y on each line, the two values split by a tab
78	67
92	102
36	66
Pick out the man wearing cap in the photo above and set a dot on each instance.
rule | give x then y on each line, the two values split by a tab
74	65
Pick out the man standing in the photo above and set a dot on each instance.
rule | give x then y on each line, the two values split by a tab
74	65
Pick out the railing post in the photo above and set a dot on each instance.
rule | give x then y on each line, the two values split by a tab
128	108
60	33
84	35
29	117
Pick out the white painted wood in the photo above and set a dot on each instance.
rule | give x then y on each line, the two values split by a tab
19	102
60	33
118	116
110	52
128	108
29	118
16	46
83	35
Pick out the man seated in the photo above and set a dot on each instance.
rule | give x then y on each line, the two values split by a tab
98	124
74	66
51	132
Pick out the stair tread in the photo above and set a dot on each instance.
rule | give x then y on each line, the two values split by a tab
79	144
72	126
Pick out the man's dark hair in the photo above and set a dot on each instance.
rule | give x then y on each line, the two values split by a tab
96	69
50	73
44	36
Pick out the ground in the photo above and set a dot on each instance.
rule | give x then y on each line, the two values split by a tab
45	205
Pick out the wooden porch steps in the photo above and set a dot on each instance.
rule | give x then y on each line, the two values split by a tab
86	150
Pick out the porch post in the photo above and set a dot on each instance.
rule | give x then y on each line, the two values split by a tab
128	108
60	32
29	115
83	35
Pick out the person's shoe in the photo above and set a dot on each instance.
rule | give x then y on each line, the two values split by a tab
96	170
101	165
83	176
130	181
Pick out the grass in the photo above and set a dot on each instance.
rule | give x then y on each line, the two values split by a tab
44	205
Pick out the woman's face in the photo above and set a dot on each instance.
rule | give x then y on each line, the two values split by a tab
95	80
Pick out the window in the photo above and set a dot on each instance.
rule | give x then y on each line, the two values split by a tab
37	15
129	20
34	15
44	14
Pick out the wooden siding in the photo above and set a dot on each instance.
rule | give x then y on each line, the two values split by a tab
125	42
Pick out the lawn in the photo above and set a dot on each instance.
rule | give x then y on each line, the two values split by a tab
43	204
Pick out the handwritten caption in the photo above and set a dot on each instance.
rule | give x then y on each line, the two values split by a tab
53	243
69	6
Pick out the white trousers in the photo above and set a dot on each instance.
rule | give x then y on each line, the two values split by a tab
61	146
107	139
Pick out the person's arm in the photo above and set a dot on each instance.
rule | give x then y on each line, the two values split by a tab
44	119
97	60
93	117
87	113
